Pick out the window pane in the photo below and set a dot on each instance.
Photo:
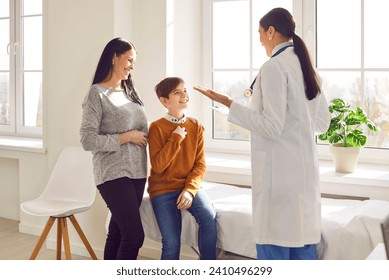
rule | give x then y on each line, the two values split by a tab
374	101
339	33
4	99
4	8
377	106
260	8
376	22
32	99
4	41
224	130
346	85
32	7
233	84
231	34
32	43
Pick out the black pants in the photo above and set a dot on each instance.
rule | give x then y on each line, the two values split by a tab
125	237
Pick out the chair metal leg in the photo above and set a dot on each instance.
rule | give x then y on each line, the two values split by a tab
59	238
42	238
65	235
83	237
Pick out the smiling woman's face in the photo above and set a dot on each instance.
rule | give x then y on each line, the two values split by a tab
123	64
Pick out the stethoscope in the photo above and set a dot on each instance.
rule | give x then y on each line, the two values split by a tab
248	92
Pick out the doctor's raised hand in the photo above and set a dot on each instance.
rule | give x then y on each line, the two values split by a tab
215	96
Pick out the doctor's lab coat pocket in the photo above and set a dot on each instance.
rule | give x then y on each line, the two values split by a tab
258	165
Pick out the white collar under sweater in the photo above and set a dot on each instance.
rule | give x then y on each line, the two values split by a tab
175	120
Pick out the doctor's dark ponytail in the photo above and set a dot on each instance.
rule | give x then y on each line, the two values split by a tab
283	22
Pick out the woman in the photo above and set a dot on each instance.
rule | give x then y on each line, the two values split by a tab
287	109
114	127
177	168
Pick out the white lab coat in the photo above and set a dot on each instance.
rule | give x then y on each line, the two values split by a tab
285	172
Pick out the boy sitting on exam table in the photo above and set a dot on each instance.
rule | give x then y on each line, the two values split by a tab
176	149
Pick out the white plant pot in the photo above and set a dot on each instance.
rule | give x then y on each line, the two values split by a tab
345	158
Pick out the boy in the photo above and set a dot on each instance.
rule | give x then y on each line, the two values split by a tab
176	147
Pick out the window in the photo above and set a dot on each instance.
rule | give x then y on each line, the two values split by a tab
235	58
349	54
21	67
351	58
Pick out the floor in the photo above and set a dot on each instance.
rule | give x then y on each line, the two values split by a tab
18	246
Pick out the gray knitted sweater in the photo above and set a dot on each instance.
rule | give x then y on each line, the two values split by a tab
106	113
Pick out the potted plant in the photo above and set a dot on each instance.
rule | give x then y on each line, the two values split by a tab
346	134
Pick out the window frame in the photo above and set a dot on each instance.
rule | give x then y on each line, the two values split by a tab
211	144
305	16
368	154
16	127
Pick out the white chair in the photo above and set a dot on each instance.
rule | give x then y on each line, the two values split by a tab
70	190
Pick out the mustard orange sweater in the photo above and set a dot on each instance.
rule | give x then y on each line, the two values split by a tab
176	163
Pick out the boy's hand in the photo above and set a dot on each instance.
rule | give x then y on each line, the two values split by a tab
184	200
181	131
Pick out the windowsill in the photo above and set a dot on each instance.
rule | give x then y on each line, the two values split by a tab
366	174
24	144
368	180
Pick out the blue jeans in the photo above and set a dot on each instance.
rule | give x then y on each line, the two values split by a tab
274	252
169	222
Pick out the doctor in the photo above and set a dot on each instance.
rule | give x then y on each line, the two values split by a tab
287	109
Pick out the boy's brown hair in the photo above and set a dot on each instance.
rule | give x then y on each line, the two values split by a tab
166	86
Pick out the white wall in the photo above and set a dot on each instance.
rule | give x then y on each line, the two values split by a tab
149	31
75	35
149	37
9	192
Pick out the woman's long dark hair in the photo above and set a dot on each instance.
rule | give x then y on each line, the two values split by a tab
283	23
103	72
